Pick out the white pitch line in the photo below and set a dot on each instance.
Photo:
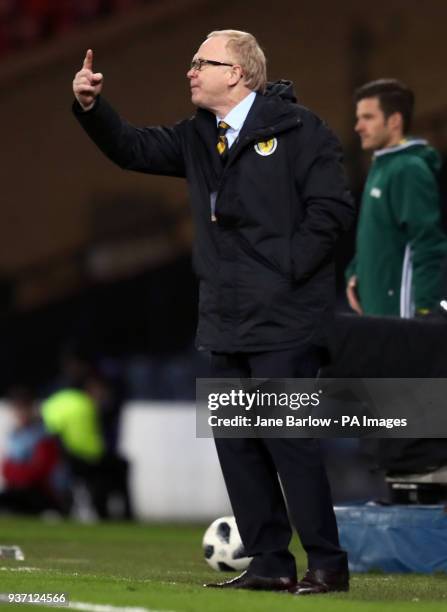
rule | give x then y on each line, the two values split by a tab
20	569
88	607
91	607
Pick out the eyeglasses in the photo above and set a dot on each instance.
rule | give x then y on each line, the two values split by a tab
198	63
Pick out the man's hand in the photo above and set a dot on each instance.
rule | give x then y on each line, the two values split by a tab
87	85
351	292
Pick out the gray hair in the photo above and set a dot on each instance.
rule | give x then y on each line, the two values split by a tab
246	50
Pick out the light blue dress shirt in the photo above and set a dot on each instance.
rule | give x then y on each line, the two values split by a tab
236	117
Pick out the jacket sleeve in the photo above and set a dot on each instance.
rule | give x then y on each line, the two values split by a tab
351	268
154	150
415	201
329	208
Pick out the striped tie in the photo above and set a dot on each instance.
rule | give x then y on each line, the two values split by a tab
222	142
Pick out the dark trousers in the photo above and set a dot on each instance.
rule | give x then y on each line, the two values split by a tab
103	479
251	467
27	500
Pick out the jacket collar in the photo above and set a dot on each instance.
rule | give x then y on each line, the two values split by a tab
404	144
269	115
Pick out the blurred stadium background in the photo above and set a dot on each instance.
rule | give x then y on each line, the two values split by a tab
97	261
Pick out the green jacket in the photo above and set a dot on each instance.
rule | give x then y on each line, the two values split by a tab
400	243
73	416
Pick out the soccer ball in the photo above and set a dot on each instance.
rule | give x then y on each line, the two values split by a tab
222	546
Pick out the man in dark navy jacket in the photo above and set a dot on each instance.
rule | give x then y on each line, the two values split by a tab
269	201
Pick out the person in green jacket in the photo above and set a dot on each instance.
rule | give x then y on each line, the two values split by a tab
400	243
73	415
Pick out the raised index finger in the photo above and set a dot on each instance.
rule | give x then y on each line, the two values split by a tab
88	60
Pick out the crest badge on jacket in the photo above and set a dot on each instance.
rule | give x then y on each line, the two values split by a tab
266	147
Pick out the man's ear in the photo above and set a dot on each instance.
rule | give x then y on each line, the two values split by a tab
235	75
396	122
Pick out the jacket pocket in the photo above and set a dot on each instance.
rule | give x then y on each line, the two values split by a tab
254	254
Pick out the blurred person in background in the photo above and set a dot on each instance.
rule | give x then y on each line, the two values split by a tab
74	414
106	386
400	244
269	201
33	469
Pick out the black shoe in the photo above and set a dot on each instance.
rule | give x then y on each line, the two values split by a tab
320	581
255	583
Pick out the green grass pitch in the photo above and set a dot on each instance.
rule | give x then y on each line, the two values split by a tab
160	567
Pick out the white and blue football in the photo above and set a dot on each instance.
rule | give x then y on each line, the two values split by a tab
222	546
